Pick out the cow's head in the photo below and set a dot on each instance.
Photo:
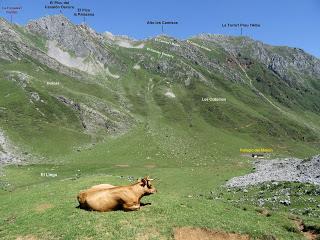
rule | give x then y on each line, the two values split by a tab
145	183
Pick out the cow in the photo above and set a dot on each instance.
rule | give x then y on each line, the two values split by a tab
106	197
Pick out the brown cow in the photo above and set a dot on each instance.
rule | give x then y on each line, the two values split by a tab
106	197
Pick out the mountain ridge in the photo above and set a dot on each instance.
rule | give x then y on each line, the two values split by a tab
82	48
121	82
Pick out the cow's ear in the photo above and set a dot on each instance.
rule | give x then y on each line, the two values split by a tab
143	182
146	178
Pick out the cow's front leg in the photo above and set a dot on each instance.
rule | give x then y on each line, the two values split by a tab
131	206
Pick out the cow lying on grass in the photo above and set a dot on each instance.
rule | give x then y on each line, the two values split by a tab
106	197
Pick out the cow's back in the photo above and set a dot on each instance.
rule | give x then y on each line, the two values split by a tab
101	187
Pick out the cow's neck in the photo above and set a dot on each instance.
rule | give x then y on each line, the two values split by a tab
138	190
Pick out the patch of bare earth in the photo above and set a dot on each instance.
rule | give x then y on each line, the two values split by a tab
189	233
46	236
309	234
122	165
264	212
43	207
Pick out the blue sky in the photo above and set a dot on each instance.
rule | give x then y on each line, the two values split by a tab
293	23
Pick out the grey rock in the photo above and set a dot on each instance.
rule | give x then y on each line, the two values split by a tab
14	47
281	170
35	96
80	40
261	202
20	78
8	153
285	202
97	117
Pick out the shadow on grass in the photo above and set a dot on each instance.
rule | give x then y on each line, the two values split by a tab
119	208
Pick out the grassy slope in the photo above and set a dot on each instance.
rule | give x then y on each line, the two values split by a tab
190	146
179	177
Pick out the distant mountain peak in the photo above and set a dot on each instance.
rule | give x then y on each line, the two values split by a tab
78	40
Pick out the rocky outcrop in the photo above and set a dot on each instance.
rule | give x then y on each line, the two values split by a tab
8	154
14	47
288	63
281	170
99	117
79	40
